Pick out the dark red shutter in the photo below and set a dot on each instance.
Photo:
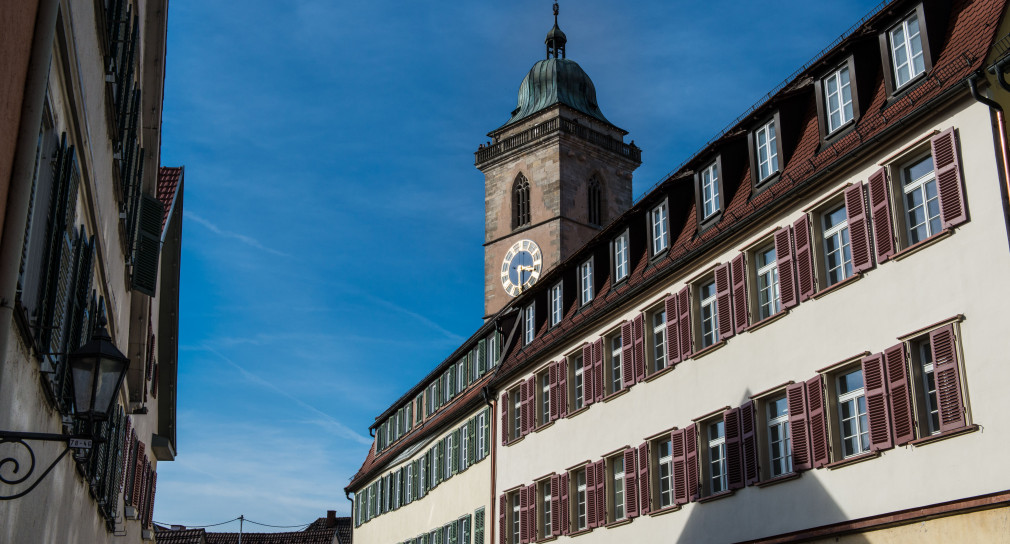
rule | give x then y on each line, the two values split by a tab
600	388
524	509
875	391
591	494
563	387
738	273
601	492
896	369
748	441
948	383
734	455
524	404
684	322
734	448
588	376
799	431
627	355
638	330
555	393
502	520
804	258
679	455
531	514
724	301
555	505
505	418
786	267
672	331
565	506
859	228
150	498
880	210
817	417
949	185
691	466
644	495
630	484
138	484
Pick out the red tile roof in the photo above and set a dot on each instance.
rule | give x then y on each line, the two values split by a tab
321	536
180	536
970	33
168	184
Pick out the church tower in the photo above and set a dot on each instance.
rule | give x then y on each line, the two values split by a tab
554	175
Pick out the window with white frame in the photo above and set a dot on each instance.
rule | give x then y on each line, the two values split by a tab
621	257
557	304
906	50
617	489
922	203
615	364
709	314
838	98
461	382
767	274
716	457
660	229
515	518
545	398
710	190
410	482
664	456
780	458
586	282
517	413
581	515
530	323
464	447
658	339
837	250
579	383
545	508
853	427
481	435
766	146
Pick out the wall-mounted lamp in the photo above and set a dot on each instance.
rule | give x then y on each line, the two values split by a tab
97	371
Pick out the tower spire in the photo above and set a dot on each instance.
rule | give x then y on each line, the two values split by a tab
556	39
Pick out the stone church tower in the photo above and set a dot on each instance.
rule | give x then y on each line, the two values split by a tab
554	174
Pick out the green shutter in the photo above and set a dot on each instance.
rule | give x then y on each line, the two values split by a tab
478	526
145	265
471	443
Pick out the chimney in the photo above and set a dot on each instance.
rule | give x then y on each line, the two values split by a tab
178	527
331	518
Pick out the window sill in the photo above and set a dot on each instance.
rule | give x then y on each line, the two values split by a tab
576	412
709	349
853	460
915	248
547	538
654	257
618	523
514	441
828	290
612	396
779	479
944	435
581	532
664	511
767	321
658	373
543	426
717	496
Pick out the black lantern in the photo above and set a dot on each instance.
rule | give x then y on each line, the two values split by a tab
98	369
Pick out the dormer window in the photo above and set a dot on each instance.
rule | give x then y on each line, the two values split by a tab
838	98
907	57
710	190
660	232
766	146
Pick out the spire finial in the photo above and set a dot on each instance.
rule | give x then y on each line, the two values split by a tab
556	39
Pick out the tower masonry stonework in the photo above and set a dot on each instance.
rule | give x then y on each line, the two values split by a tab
575	161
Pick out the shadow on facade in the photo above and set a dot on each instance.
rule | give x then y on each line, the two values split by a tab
757	512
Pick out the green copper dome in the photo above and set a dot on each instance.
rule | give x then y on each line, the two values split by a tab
556	81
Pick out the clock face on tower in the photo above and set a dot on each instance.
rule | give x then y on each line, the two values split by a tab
521	267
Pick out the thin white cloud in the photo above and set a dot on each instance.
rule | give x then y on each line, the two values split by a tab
335	426
252	242
396	307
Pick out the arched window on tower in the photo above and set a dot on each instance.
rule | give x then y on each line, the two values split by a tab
520	202
595	205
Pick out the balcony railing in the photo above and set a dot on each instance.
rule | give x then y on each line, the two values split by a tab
554	126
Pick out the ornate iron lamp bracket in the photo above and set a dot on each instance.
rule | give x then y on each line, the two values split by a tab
10	467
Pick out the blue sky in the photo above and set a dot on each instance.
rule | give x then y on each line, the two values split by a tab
334	219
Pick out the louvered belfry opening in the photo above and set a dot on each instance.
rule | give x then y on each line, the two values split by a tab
595	204
520	202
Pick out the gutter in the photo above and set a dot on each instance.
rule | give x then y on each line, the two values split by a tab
998	71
